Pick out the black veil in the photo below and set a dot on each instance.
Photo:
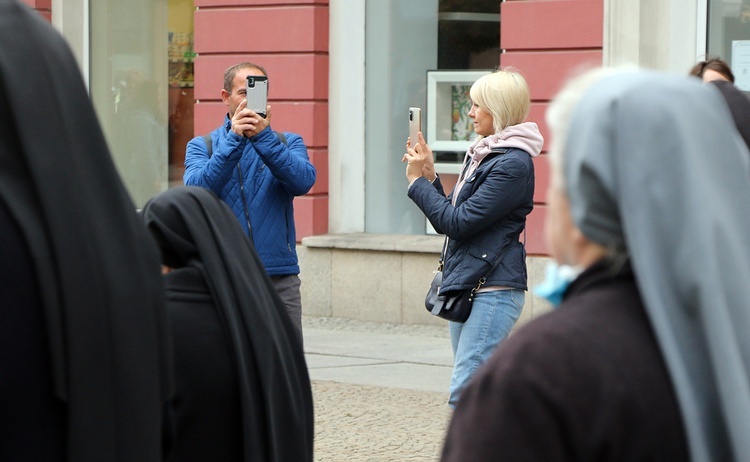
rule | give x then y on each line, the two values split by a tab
194	228
95	267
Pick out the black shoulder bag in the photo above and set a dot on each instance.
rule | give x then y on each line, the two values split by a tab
455	305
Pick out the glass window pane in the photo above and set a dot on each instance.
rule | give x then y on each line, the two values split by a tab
129	89
400	46
405	40
468	34
181	96
729	37
468	38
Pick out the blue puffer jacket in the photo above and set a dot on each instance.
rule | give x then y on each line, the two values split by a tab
488	218
273	173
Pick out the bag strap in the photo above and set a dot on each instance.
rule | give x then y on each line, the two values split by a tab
209	146
442	254
483	279
244	204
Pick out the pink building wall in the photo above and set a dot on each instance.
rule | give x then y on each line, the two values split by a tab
290	39
44	7
548	41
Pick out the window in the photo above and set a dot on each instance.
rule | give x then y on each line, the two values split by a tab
468	34
729	36
468	39
180	74
403	41
129	89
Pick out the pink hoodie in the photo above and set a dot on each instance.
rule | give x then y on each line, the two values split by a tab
524	136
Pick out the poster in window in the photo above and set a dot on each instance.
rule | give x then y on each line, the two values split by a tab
741	64
449	128
462	128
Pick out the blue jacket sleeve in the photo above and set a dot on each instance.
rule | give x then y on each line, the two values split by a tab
288	163
213	172
488	196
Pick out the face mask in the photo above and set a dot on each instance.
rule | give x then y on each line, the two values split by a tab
556	282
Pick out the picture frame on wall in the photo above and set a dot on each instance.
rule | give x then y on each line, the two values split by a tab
449	127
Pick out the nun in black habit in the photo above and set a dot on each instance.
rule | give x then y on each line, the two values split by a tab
84	376
242	391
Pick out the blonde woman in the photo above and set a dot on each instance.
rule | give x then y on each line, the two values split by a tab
484	216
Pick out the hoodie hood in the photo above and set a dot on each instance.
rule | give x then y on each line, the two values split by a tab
524	136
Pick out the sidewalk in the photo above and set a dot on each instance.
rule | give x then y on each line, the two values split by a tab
380	390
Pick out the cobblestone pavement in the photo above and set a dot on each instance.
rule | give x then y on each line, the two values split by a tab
357	423
365	423
440	330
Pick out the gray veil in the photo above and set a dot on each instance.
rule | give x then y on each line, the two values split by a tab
654	163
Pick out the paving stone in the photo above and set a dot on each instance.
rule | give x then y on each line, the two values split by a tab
361	423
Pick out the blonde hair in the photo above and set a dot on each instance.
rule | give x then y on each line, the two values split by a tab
505	95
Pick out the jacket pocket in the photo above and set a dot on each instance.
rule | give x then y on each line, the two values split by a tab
467	267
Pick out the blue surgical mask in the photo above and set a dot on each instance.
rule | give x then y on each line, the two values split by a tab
556	282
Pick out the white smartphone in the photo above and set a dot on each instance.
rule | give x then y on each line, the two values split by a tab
257	93
415	125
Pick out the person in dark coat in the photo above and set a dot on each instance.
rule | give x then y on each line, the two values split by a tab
647	356
739	105
242	391
85	373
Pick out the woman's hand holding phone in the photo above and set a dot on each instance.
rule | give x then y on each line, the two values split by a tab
428	170
419	161
418	155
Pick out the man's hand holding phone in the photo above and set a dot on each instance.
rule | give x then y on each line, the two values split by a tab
246	122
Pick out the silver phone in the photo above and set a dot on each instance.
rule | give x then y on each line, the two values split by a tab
257	93
415	125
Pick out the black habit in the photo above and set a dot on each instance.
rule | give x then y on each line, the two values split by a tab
83	338
242	388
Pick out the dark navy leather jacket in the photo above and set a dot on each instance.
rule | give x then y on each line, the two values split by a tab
486	222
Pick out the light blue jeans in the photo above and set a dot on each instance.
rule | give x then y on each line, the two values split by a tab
493	315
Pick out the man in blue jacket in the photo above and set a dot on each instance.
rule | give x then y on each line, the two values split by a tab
258	172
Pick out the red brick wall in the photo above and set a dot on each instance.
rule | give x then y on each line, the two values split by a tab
548	41
44	7
290	39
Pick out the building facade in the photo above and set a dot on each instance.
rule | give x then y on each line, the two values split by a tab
343	74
